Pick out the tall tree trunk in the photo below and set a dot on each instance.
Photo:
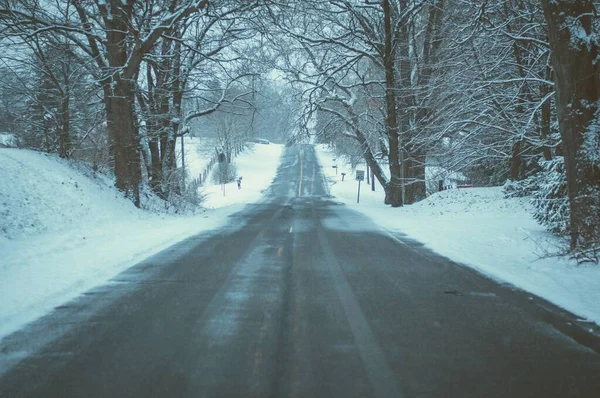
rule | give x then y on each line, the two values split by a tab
515	161
545	118
372	181
148	104
416	155
393	188
576	71
124	139
415	188
414	160
167	141
119	99
65	111
155	164
65	138
175	127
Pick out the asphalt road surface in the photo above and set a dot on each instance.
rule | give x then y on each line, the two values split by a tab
301	297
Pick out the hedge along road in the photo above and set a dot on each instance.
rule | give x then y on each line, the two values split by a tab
301	297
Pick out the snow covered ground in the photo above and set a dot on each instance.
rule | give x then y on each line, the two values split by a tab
7	140
480	228
198	151
62	232
255	177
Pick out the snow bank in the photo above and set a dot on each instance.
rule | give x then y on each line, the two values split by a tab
198	152
255	177
62	232
40	193
7	140
480	228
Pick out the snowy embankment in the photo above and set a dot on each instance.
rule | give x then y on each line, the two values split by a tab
198	151
62	232
480	228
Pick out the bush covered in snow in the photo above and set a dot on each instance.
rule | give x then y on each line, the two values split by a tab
548	192
186	202
7	140
228	168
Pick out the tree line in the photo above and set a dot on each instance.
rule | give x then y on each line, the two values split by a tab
498	90
495	89
130	77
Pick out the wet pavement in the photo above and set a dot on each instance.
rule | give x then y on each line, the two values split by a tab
300	296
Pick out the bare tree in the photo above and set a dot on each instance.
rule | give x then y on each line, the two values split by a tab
54	91
386	51
180	72
493	94
111	34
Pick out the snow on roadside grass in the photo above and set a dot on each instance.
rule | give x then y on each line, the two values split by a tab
480	228
62	233
255	180
198	152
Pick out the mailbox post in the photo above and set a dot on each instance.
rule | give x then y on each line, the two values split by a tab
360	176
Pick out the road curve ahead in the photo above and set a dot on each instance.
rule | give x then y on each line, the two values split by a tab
301	297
